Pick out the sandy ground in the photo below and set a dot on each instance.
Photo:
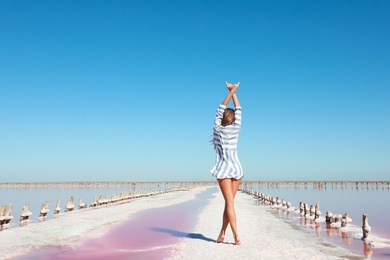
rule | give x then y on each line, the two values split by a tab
263	236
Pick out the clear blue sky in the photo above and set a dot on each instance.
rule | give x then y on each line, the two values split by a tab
127	90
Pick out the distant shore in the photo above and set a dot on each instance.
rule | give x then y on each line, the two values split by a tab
101	184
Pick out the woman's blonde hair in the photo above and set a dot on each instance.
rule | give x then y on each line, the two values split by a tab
228	117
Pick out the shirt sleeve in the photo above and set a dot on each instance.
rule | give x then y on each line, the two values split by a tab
237	115
219	114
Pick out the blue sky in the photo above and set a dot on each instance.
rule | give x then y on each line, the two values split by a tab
127	90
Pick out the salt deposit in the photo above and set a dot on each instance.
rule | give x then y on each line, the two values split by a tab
263	236
72	228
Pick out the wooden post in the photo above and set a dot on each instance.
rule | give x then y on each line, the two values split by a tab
82	205
365	227
2	214
57	209
345	219
25	212
7	215
44	209
306	209
317	211
329	217
69	206
312	211
94	203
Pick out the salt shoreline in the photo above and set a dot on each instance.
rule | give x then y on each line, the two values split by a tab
71	229
263	235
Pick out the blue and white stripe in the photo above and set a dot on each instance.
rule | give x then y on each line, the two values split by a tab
227	164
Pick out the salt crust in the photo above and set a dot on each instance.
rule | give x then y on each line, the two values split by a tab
73	228
263	236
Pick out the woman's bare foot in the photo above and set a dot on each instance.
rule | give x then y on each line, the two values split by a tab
237	241
221	237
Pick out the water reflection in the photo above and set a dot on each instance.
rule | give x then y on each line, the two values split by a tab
355	198
332	231
367	250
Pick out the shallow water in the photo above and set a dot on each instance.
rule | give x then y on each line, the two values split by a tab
337	199
35	196
149	234
372	201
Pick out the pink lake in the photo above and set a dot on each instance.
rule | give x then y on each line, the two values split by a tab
149	234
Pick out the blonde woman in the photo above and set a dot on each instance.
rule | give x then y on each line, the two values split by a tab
227	169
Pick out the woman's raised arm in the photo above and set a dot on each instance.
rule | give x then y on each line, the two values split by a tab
232	93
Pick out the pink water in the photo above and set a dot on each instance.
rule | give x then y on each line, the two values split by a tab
339	201
150	234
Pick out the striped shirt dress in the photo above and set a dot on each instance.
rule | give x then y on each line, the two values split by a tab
227	164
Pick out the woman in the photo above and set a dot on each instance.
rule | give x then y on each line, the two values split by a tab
227	169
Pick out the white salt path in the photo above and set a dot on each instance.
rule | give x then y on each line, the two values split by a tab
72	228
263	236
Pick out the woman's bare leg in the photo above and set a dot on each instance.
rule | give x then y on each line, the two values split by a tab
225	223
235	185
229	189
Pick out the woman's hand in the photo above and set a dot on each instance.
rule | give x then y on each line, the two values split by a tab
231	86
228	85
232	93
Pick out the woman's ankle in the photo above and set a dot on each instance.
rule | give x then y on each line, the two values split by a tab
237	240
221	236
